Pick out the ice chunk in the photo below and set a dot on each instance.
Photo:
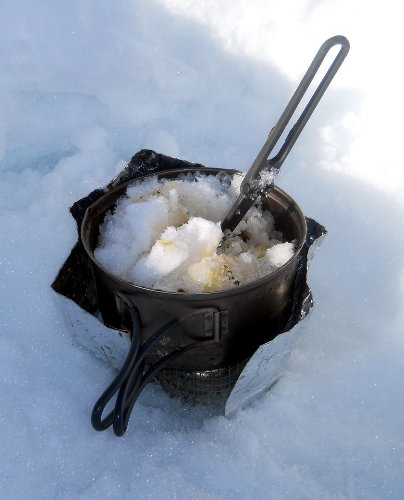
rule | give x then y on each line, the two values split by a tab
279	254
176	249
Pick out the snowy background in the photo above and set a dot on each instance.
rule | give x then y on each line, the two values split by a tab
86	84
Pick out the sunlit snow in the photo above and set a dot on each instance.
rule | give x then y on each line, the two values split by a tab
84	86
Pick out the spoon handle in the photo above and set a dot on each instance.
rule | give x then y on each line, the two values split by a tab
250	189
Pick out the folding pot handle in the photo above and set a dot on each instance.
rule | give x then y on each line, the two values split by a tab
132	378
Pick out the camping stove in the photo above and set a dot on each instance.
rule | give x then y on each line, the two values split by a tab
195	345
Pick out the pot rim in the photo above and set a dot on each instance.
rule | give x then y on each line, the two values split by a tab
134	288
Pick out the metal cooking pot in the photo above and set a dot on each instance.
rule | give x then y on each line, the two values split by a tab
188	331
237	320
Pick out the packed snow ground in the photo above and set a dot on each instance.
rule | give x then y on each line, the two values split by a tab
85	85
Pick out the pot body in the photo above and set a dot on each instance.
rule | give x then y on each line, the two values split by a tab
236	321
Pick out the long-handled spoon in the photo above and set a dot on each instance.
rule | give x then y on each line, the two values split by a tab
254	183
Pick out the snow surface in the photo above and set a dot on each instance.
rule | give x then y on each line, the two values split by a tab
84	85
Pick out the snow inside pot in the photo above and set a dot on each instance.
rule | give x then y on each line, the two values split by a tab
204	333
166	234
